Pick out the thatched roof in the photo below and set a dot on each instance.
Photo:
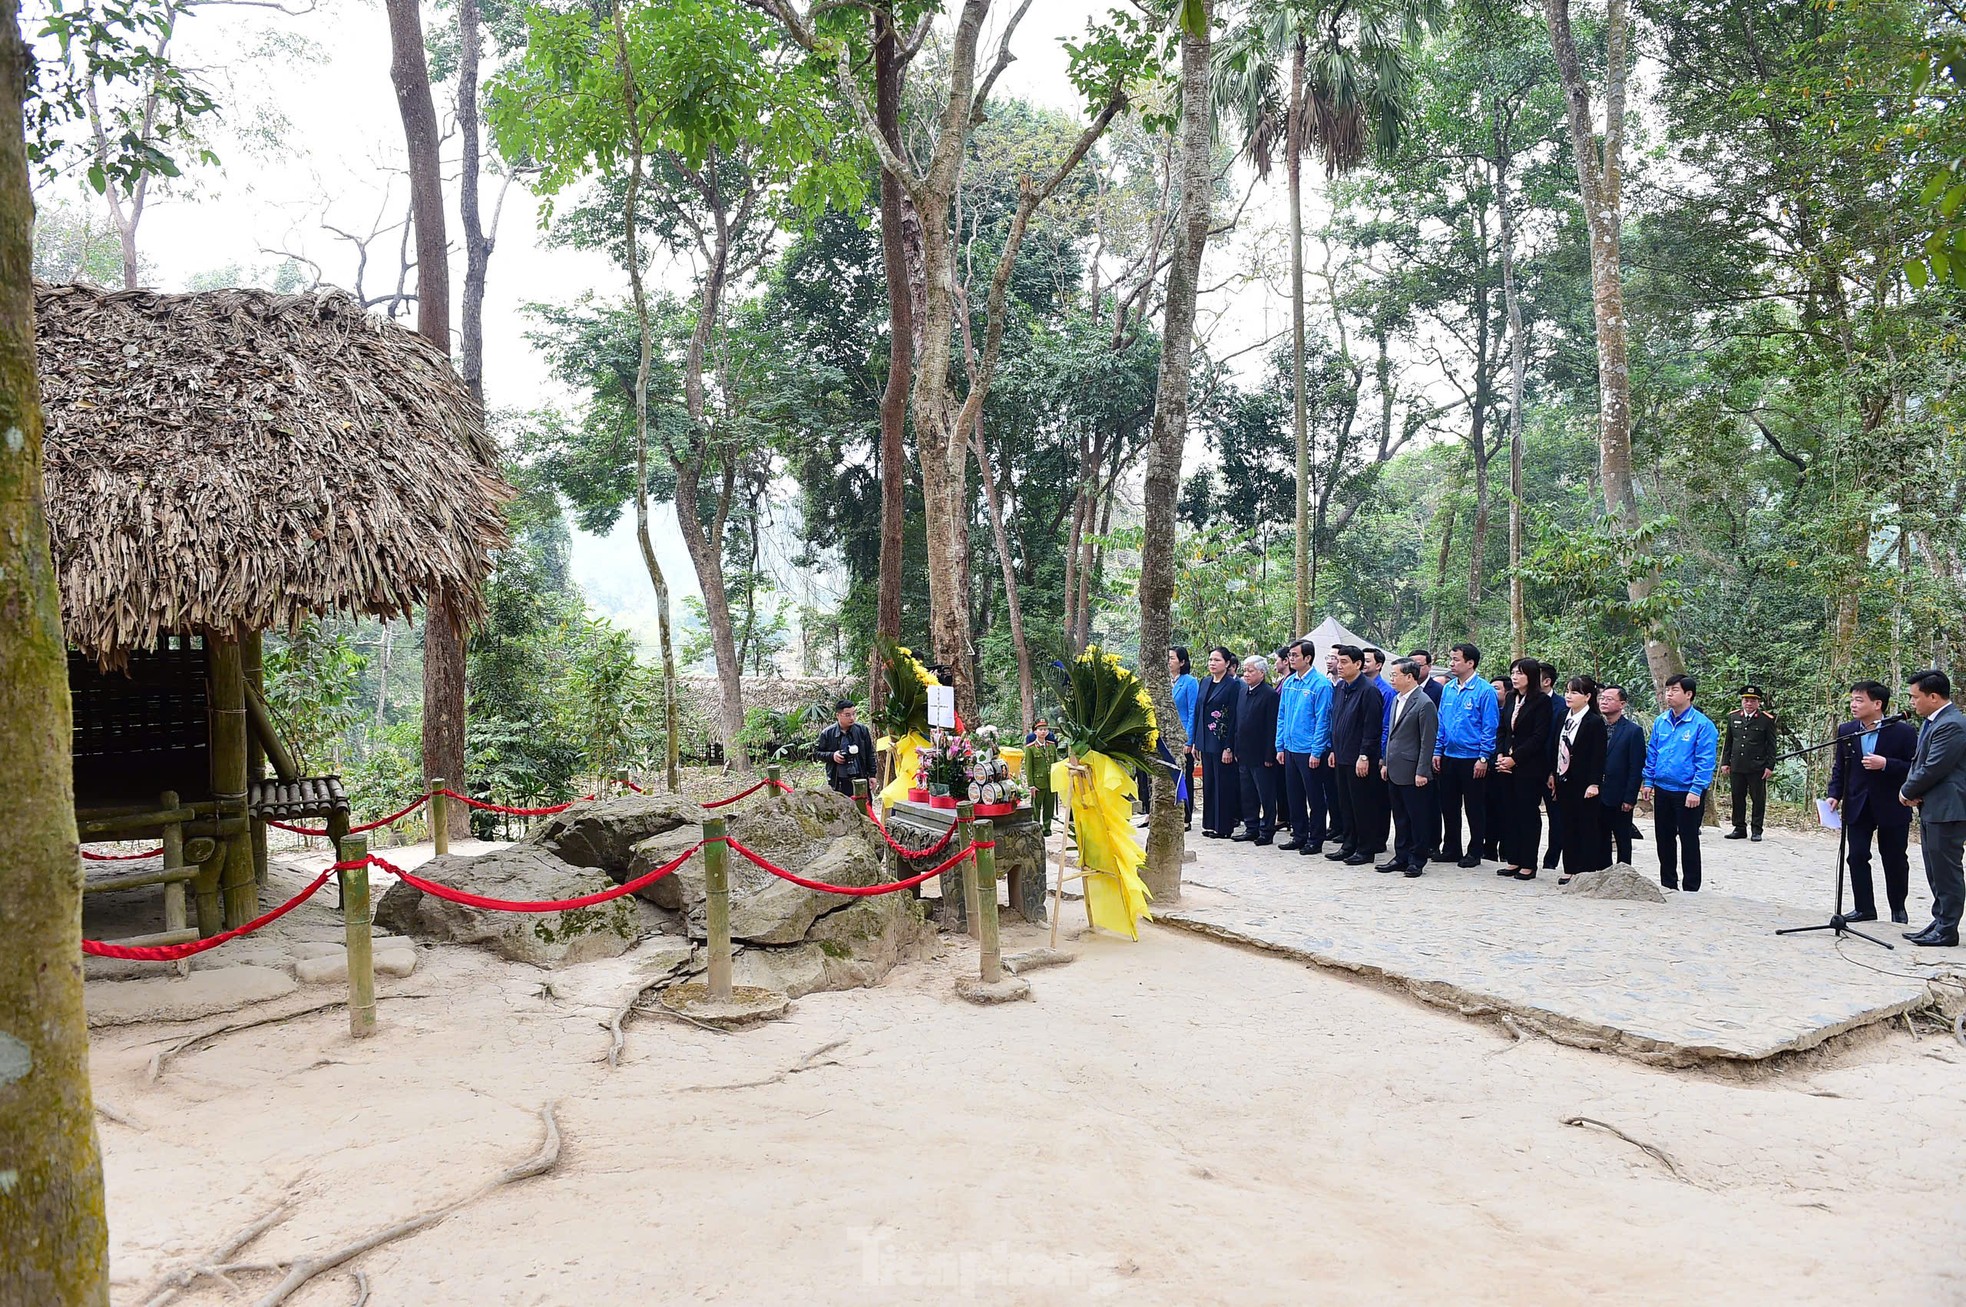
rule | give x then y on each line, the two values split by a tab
240	457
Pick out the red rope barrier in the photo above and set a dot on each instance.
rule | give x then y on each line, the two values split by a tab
724	803
546	905
119	857
859	891
173	952
379	822
927	851
631	785
513	812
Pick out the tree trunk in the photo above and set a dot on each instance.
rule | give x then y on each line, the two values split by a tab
1448	514
1478	541
443	632
1027	696
706	546
1600	185
477	243
888	72
54	1238
1299	419
1518	390
631	102
1162	871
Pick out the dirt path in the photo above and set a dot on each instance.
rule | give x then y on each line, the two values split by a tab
1175	1121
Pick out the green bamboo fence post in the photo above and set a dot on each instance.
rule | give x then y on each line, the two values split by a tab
238	889
772	771
440	817
174	914
986	879
965	832
716	891
356	925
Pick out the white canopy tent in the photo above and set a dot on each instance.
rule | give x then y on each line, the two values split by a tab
1331	631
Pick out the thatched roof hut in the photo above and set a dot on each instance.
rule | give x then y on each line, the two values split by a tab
219	465
237	459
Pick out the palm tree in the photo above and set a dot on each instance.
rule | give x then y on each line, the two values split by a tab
1326	75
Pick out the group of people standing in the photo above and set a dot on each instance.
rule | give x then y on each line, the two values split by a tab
1448	768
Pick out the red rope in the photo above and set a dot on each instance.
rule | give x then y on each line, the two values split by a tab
513	812
859	891
928	851
631	785
173	952
546	905
119	857
390	820
724	803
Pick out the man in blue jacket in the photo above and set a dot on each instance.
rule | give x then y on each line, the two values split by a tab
1358	716
1303	736
1680	760
1463	754
1624	768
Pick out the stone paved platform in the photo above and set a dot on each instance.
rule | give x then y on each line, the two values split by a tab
1698	977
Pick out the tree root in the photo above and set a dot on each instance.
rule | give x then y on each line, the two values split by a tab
361	1290
805	1063
108	1113
1656	1153
300	1272
217	1266
191	1043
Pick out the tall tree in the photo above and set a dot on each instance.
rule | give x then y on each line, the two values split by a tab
443	628
53	1231
1331	76
1600	186
1196	175
943	418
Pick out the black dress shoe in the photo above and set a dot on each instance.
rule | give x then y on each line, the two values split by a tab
1755	838
1261	841
1933	937
1291	846
1242	837
1358	860
1390	866
1411	872
1505	871
1307	850
1735	835
1861	914
1898	917
1339	854
1468	862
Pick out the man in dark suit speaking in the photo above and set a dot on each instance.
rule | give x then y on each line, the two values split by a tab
1873	757
1406	768
1936	786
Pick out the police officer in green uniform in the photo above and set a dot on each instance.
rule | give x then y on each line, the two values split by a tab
1747	757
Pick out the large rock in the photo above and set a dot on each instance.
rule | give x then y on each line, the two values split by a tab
604	833
1619	882
868	938
522	871
171	998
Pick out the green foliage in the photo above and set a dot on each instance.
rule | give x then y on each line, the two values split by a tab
314	689
1938	78
114	53
905	708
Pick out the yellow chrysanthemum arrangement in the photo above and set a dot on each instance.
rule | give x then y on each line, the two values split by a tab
1105	709
905	709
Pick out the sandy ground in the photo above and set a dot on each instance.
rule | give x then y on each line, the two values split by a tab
1172	1121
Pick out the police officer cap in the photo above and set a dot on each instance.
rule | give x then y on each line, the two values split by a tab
1748	692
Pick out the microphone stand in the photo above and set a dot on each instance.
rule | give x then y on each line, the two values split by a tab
1836	921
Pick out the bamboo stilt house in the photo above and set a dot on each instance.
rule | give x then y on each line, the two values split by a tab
219	465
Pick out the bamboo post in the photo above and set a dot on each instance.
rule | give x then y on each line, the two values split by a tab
716	892
252	662
238	888
772	772
337	832
965	832
356	926
986	879
174	914
440	823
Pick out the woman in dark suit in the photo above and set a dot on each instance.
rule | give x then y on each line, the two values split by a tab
1522	759
1215	712
1581	741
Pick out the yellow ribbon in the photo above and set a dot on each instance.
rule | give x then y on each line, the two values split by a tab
905	750
1102	818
